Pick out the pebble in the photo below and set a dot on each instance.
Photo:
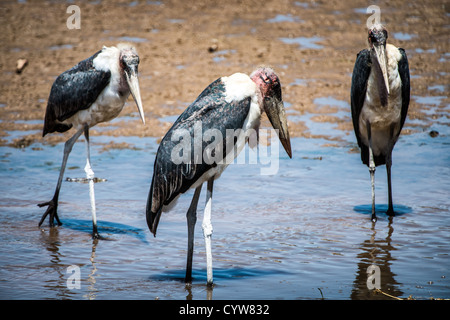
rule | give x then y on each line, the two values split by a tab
20	65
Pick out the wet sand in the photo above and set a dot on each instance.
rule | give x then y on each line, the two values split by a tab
186	45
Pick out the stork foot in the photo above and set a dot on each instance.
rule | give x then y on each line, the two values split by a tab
52	211
390	212
373	217
96	235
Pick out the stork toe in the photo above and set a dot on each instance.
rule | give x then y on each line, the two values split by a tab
52	210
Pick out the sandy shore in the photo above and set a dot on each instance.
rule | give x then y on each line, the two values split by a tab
185	45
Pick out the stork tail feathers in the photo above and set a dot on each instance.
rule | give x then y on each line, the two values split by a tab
152	219
153	211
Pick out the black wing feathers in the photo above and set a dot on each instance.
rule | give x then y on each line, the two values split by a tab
74	90
361	72
360	76
210	111
403	70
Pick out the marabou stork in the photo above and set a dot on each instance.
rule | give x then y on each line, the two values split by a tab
230	103
379	102
93	91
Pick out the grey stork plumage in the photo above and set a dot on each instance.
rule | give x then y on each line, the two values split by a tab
380	96
230	103
93	91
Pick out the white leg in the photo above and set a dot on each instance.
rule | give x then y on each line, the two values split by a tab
90	177
207	231
372	182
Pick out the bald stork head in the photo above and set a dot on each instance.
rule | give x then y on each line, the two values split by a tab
270	87
377	41
129	61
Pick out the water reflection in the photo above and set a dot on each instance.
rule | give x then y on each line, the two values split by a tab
376	252
197	288
52	245
92	291
209	293
105	227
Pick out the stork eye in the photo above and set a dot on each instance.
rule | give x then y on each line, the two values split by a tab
373	38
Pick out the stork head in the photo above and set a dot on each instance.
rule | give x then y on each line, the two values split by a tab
377	35
377	42
270	87
129	61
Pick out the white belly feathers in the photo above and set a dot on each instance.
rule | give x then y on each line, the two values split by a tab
382	118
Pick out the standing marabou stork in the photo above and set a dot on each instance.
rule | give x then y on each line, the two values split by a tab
230	103
93	91
379	99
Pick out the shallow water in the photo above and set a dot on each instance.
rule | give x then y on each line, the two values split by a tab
304	233
284	18
304	42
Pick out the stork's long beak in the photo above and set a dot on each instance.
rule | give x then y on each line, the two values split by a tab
133	83
274	109
380	58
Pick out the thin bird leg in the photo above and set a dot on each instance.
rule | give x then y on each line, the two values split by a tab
53	204
191	217
390	211
207	231
90	177
372	171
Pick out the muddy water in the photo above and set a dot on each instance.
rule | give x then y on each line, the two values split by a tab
304	233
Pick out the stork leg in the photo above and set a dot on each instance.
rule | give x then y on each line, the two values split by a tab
191	220
207	231
53	204
372	171
390	211
90	177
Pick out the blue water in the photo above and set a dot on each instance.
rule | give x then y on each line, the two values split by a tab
403	36
282	236
284	18
301	233
304	42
